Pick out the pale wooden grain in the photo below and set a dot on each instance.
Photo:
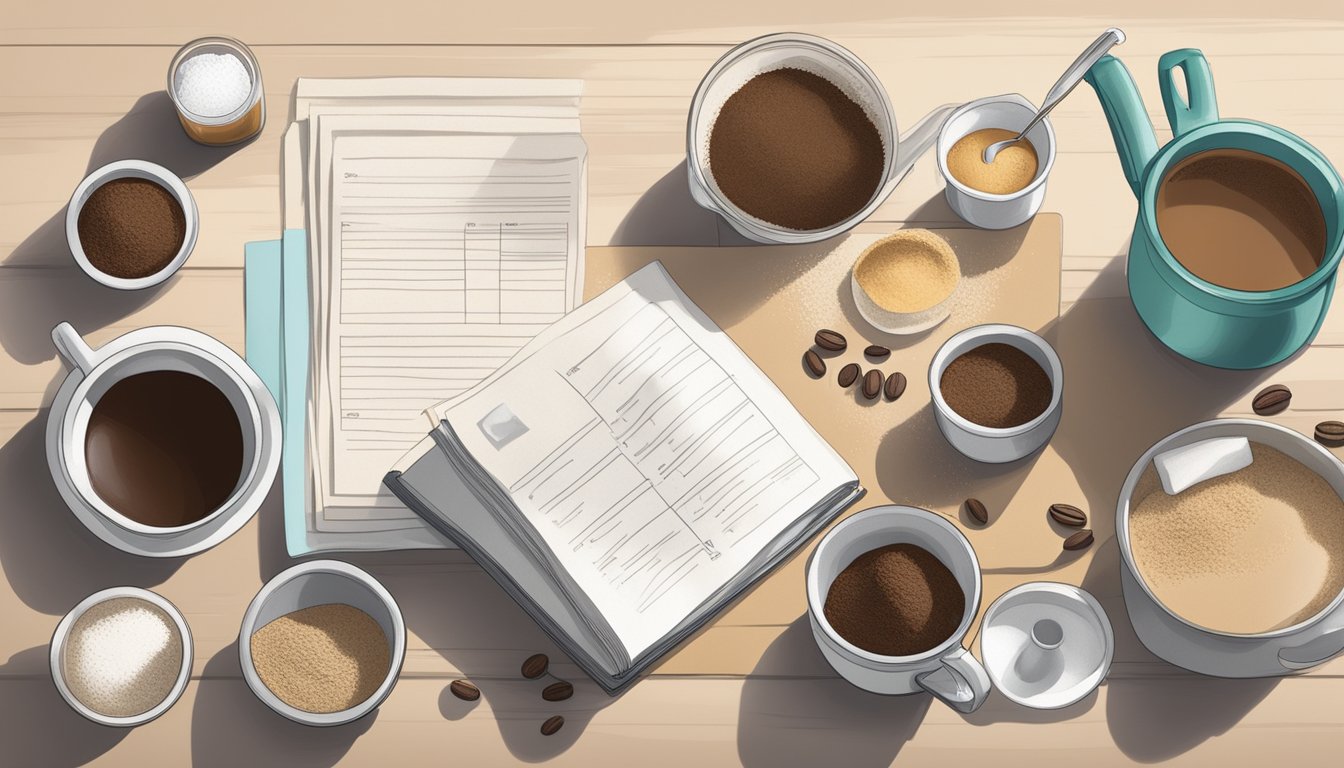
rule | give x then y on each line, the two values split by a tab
751	689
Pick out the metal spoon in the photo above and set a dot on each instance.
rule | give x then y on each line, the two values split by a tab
1066	83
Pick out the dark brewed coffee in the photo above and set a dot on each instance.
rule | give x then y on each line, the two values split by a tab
1241	220
164	448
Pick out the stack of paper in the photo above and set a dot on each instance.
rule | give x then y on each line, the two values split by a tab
443	223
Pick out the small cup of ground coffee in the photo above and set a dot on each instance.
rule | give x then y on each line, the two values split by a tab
1009	191
792	139
131	224
997	392
891	593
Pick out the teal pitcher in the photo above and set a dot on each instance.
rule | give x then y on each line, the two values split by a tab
1205	322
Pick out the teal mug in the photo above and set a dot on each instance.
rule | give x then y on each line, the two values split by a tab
1202	321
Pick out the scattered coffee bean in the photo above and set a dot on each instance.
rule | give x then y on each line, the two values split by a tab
976	509
552	725
815	365
1271	399
1067	514
877	351
872	384
1080	540
895	385
831	341
558	691
1330	433
464	690
848	375
535	666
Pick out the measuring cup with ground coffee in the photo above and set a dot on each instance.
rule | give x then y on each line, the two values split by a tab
898	566
163	442
792	139
1238	235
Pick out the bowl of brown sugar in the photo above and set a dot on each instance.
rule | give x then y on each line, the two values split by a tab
131	224
904	282
792	139
322	643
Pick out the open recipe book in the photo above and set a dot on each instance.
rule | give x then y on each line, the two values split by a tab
625	475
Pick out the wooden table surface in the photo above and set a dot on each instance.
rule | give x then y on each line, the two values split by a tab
82	86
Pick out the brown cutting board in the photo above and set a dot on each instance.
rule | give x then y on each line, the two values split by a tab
772	300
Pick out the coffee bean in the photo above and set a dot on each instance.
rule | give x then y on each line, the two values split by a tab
877	351
976	509
558	691
1330	433
1067	514
895	385
831	341
872	384
535	666
848	375
464	690
552	725
1271	399
1080	540
815	365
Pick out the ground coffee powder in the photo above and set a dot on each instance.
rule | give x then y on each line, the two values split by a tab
131	228
897	600
996	385
792	149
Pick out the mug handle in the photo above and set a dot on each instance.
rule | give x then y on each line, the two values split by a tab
916	142
70	345
1313	652
960	681
1202	108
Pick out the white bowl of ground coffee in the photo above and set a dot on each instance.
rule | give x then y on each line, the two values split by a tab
131	224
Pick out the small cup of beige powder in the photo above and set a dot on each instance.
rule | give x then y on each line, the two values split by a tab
322	643
903	283
122	657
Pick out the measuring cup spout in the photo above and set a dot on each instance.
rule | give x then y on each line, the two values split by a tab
1135	141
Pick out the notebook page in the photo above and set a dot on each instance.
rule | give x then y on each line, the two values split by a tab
650	456
448	253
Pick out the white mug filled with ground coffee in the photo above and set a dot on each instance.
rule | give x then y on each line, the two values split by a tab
891	593
792	139
1242	573
161	440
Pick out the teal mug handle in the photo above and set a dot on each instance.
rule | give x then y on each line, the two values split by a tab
1202	108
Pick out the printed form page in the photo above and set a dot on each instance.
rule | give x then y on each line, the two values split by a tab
650	455
448	253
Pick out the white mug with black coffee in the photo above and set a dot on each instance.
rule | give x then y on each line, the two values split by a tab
163	434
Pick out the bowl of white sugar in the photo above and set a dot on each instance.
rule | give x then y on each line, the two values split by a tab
121	657
215	84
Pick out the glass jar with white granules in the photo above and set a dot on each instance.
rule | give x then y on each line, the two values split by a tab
215	84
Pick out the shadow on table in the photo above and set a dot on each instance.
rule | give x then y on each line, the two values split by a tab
50	559
667	215
32	305
1124	392
37	727
796	711
231	727
937	474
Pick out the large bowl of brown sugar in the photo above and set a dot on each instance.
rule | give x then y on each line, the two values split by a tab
792	139
1242	573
